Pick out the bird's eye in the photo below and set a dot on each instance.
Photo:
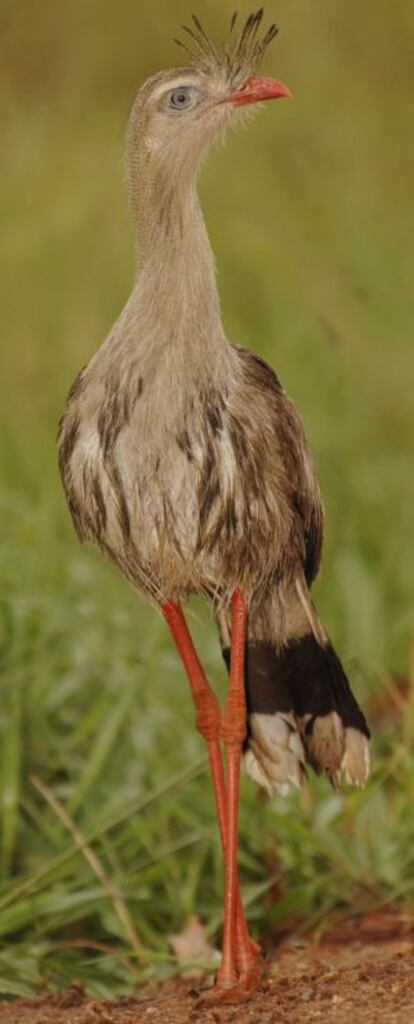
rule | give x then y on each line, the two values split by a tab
180	99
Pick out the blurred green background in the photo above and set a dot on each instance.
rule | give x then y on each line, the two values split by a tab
311	216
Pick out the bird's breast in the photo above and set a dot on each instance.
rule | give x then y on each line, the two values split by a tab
186	496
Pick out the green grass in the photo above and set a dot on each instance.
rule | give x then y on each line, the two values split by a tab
312	218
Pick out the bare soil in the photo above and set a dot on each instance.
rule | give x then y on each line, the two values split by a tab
361	973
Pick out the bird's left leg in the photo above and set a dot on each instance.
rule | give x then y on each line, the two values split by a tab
238	958
208	723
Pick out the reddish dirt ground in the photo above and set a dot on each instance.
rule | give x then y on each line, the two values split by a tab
362	974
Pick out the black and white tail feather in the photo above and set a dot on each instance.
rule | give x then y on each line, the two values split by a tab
301	708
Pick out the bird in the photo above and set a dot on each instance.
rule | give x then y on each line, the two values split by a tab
184	460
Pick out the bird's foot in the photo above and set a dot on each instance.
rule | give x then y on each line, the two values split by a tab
253	978
218	996
248	953
248	956
238	988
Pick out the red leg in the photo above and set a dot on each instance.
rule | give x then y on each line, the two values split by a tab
208	721
233	731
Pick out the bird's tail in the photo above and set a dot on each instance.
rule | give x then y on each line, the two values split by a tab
300	705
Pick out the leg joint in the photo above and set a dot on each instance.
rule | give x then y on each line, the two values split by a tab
207	716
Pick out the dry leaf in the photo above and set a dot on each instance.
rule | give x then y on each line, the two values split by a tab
192	948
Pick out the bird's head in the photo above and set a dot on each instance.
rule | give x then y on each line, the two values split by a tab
178	113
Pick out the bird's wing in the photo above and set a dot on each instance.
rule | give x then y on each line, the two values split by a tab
290	452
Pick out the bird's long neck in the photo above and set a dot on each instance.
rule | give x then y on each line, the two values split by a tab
175	298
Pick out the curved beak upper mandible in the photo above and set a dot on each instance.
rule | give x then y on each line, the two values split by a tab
257	89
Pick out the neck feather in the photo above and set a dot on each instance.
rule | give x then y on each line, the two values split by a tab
175	294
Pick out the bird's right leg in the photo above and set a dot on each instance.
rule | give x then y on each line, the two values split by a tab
208	723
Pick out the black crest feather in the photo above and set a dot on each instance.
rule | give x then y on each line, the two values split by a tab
242	52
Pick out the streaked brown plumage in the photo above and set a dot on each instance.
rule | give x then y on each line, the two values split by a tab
181	455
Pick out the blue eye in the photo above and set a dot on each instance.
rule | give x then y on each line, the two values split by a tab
180	99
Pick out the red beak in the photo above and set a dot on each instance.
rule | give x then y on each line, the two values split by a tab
257	89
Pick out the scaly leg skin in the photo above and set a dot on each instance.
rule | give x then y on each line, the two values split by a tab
239	972
246	949
208	723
